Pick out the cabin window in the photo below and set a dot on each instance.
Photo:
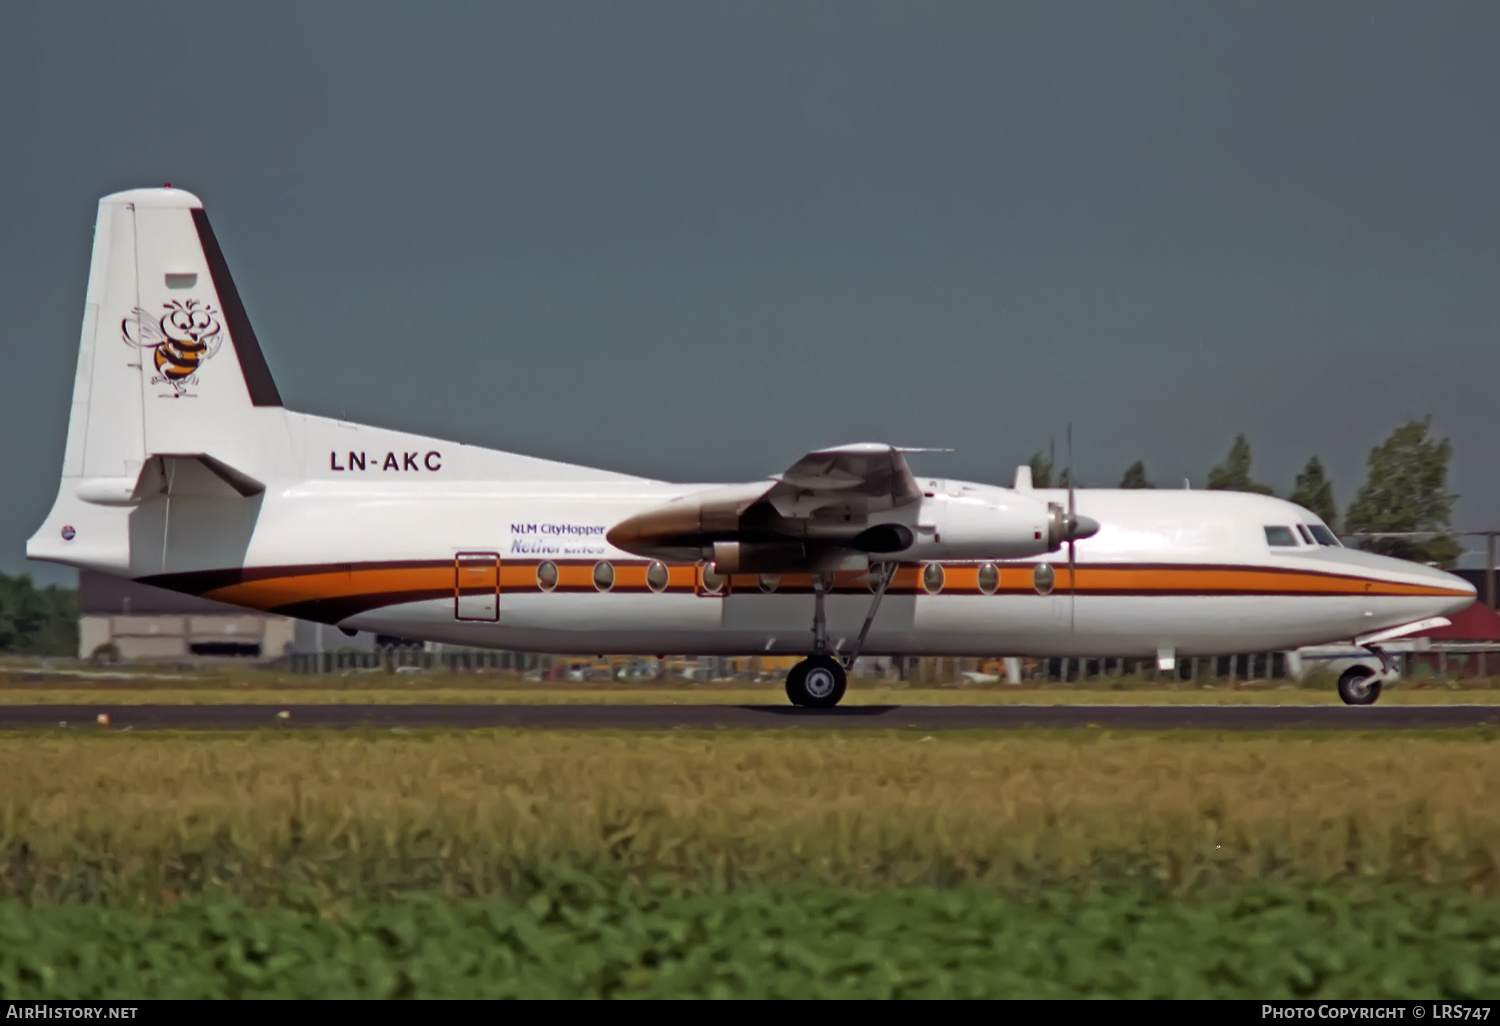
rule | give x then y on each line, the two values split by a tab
604	576
1280	537
1324	535
989	578
769	582
1302	530
1043	578
713	581
657	576
932	578
546	576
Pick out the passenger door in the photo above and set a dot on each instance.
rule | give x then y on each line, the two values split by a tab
476	586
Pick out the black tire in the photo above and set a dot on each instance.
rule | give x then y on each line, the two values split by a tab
1358	685
817	682
794	680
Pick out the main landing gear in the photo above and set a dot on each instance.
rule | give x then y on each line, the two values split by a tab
819	681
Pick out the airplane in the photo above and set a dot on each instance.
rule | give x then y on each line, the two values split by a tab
184	470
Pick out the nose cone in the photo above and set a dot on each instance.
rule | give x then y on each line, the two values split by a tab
1450	593
1409	591
1458	603
1446	593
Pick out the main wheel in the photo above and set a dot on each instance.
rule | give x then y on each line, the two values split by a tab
1359	686
817	683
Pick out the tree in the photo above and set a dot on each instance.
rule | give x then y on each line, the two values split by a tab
37	622
1041	471
1405	490
1233	475
1135	476
1314	492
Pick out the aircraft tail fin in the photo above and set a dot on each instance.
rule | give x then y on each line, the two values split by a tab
168	364
162	320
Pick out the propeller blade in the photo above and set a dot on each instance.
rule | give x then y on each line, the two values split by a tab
1072	511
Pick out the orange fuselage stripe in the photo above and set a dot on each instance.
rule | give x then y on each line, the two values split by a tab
436	579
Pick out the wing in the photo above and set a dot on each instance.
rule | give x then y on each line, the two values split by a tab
820	505
150	332
213	341
850	481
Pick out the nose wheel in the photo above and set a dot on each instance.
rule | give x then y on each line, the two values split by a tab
1358	686
817	682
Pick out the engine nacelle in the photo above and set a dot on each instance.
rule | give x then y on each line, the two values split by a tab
1011	526
732	557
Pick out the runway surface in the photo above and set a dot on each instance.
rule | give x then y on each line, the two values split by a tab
740	717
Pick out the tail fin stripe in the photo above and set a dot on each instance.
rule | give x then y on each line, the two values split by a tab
252	361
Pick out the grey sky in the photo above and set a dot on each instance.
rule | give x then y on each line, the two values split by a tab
693	240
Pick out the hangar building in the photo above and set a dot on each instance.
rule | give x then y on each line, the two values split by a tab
146	623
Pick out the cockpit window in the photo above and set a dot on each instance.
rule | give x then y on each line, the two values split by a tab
1302	530
1324	535
1280	536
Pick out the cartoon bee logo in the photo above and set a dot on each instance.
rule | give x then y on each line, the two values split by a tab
181	340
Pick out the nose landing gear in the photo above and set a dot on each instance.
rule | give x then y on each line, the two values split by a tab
1359	685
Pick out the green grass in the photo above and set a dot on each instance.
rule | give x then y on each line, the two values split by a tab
118	817
581	936
495	863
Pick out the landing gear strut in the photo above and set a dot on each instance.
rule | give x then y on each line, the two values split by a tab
819	681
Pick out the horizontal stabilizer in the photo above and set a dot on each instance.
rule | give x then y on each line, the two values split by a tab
174	474
240	482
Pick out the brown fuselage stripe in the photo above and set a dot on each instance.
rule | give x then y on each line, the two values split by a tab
332	592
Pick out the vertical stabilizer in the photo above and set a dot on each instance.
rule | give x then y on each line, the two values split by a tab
168	360
168	365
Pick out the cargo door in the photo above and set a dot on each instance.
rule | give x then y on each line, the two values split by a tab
476	586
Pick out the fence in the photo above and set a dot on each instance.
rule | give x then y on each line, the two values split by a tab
909	669
467	660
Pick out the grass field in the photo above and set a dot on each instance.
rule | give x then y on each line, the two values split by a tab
468	812
553	864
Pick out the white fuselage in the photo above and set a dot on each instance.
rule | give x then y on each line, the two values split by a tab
1189	572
